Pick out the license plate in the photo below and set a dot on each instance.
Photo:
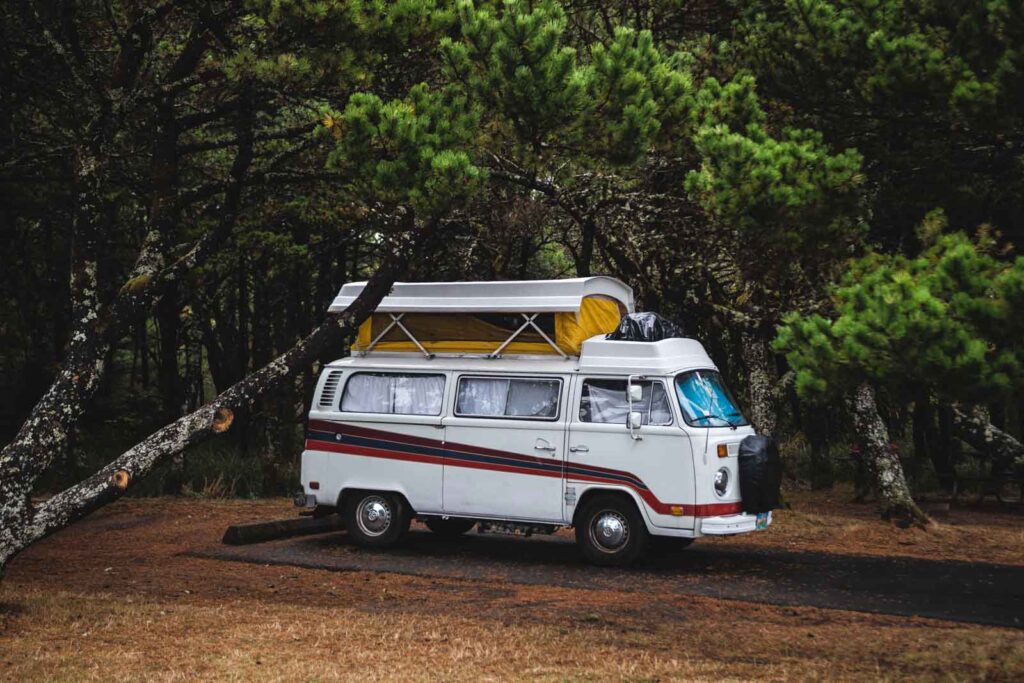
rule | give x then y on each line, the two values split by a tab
762	521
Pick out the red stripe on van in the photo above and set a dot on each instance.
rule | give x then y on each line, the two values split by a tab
681	509
350	449
398	439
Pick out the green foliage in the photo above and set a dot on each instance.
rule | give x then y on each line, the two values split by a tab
789	191
409	151
947	321
931	92
608	100
515	63
632	91
965	54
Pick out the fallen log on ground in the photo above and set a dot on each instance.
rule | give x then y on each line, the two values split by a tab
258	532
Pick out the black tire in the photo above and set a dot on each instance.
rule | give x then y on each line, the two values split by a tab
450	528
602	546
376	519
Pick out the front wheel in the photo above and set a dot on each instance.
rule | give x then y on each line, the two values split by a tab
611	531
376	519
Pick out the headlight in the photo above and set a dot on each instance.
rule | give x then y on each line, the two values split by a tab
721	481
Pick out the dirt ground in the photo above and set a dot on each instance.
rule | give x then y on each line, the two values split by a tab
117	596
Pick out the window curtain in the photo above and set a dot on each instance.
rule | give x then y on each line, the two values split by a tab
482	396
606	402
388	393
417	394
497	397
366	393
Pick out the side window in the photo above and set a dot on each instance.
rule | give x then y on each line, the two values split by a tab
525	398
384	392
605	401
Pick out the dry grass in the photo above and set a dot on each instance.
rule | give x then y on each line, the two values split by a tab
826	521
73	636
113	598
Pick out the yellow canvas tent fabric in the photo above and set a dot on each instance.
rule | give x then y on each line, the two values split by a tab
469	333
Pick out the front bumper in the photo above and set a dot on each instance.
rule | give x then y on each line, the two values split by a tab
731	524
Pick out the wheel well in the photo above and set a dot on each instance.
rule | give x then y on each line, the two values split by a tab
593	493
345	494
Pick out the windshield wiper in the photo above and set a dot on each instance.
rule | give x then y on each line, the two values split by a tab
716	417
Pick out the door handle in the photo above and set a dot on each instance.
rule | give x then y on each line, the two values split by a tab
579	449
543	445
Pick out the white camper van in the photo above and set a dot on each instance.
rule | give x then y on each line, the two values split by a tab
503	404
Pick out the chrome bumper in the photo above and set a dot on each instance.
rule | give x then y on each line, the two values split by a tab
731	524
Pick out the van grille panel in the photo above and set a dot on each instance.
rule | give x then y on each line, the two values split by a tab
330	390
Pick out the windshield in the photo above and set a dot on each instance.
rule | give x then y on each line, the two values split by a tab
705	401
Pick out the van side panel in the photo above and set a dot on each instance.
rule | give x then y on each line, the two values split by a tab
505	467
383	455
378	451
656	470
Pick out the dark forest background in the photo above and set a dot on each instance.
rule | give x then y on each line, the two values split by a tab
827	194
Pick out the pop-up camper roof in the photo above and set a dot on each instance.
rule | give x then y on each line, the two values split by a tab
508	296
524	317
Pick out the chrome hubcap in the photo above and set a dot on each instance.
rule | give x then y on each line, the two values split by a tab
373	516
609	530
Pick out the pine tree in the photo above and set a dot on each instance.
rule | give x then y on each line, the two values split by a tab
945	323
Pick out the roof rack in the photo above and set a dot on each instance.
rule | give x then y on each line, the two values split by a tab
527	298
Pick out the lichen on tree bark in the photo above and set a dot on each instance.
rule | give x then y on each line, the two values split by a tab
973	425
22	524
883	461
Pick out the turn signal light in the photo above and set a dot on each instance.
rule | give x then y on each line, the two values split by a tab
315	485
723	450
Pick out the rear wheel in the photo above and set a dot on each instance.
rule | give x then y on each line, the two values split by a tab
376	519
610	531
450	528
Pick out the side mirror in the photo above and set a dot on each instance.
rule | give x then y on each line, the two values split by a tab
636	392
636	418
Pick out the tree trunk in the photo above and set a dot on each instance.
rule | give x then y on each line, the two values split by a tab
972	425
44	433
761	377
942	452
168	317
588	229
883	462
22	524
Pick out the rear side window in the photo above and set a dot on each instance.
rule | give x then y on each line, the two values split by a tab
398	394
605	401
515	397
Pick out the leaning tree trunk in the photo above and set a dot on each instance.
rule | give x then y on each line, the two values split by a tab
22	524
973	425
43	435
757	358
883	462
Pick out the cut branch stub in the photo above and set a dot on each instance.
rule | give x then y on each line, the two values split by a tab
222	420
120	479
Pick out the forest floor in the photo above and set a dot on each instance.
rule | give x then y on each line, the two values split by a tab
127	594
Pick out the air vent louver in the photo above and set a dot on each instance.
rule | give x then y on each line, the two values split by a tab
330	390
